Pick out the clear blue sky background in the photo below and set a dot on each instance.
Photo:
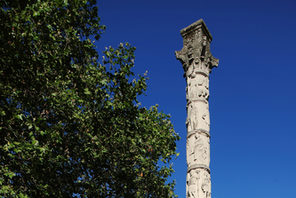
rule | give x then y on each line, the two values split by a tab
253	93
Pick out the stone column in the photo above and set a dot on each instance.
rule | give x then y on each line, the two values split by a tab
197	62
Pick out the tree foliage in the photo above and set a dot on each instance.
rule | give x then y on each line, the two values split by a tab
70	121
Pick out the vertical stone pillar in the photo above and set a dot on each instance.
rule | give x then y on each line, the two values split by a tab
197	62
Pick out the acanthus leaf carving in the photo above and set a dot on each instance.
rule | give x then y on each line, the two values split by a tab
195	55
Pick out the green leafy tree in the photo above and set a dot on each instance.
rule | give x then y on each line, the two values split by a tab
70	121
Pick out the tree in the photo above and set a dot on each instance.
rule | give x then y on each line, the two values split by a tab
71	124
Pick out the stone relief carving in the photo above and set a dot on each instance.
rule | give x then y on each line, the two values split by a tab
204	119
198	184
206	185
198	116
198	87
198	150
192	187
192	117
196	50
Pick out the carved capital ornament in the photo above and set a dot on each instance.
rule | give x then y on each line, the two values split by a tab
195	55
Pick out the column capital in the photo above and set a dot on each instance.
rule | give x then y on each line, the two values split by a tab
195	55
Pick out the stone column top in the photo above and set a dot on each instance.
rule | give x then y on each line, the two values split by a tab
195	55
197	25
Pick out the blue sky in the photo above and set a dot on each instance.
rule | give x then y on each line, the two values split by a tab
252	92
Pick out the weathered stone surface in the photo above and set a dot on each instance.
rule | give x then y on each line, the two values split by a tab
197	62
198	150
198	184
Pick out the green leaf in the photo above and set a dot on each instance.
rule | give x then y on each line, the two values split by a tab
86	91
20	116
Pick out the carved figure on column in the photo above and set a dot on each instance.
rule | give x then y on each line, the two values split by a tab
198	116
192	117
197	87
193	180
190	150
204	118
203	87
206	185
198	150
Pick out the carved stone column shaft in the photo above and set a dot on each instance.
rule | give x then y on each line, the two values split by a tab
197	62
